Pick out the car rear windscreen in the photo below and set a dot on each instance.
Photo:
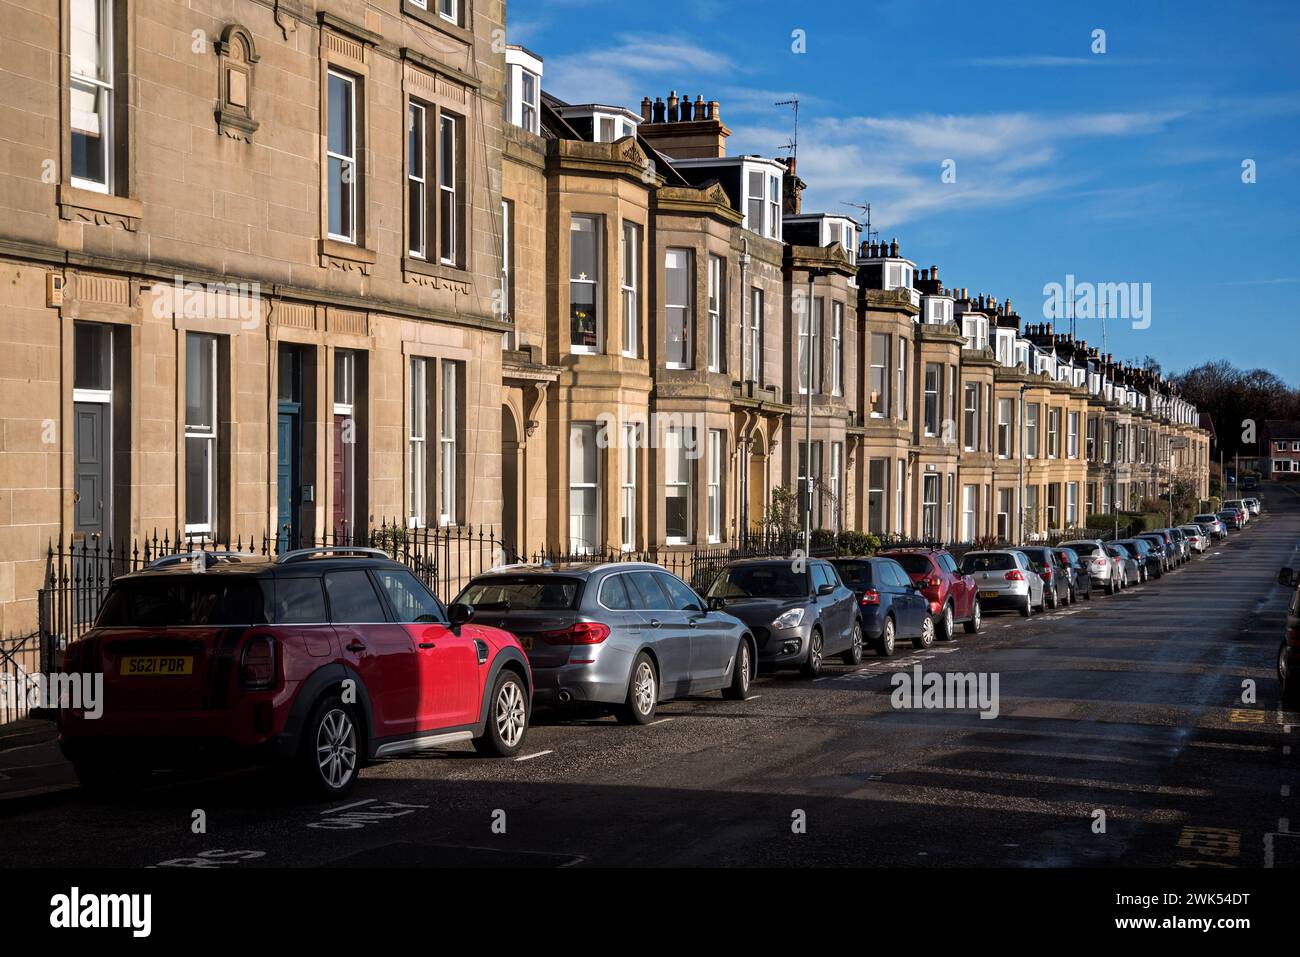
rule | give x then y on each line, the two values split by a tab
524	593
175	600
857	575
914	564
996	562
760	581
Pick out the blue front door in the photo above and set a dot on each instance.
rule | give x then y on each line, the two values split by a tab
288	485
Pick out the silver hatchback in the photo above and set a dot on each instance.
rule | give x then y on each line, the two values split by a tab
1005	578
616	635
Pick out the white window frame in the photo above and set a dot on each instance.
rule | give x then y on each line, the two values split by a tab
714	493
1032	416
1072	440
970	417
627	494
529	110
417	438
686	308
346	186
209	434
677	444
597	230
448	137
931	489
630	288
102	86
1006	446
417	179
756	308
449	10
931	412
837	347
448	427
578	482
714	307
882	394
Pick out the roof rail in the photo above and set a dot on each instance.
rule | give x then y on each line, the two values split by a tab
302	554
208	558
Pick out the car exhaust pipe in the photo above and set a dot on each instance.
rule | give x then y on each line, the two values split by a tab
564	697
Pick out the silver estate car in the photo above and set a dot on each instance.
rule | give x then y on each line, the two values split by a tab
1101	567
1005	578
618	635
1130	571
1212	521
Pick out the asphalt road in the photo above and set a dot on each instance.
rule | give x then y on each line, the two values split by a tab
1131	706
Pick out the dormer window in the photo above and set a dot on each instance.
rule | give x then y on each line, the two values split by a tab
762	202
523	88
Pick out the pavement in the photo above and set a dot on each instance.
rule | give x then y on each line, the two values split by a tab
1141	729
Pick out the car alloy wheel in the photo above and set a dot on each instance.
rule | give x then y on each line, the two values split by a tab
927	633
886	645
947	623
815	651
744	666
976	617
643	688
510	716
336	748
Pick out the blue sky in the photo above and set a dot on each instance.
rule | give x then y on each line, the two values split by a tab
1123	166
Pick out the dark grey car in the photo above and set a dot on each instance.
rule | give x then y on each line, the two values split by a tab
625	635
798	611
1056	578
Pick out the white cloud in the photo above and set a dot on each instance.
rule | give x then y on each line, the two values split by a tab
629	67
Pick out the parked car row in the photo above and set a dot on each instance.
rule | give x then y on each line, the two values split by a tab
329	658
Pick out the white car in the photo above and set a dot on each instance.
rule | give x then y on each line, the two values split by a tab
1253	504
1196	538
1240	505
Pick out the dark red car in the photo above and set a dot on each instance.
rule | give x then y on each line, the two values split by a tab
326	658
951	595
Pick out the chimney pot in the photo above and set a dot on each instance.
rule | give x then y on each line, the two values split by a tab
659	110
646	106
672	107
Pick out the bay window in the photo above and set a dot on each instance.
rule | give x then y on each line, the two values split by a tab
837	348
715	299
630	289
879	375
584	283
678	299
756	335
584	487
678	497
714	500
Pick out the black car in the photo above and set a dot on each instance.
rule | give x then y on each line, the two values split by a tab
799	611
890	604
1162	551
1080	577
1148	560
1056	579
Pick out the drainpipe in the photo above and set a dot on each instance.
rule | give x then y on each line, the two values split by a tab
807	425
1020	455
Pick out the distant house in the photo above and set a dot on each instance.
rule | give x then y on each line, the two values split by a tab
1280	449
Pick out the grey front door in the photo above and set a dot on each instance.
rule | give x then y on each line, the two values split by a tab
93	472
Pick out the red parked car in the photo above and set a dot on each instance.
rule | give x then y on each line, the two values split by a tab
325	658
951	595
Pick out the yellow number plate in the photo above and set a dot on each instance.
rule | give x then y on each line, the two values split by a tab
988	594
526	642
157	665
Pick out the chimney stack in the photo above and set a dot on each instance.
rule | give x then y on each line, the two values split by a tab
683	128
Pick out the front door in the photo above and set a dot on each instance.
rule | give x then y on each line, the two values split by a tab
92	488
289	450
287	478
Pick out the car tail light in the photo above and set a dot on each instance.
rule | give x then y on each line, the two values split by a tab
257	665
1047	574
1293	636
1014	576
871	597
579	633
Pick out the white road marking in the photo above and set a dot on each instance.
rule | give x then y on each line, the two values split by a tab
345	807
660	721
754	697
529	757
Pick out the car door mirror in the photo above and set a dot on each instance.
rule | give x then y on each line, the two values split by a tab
1286	577
717	604
459	614
825	589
